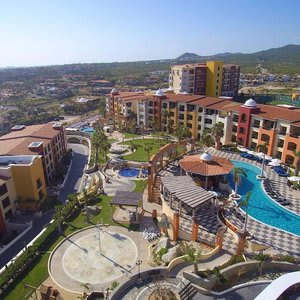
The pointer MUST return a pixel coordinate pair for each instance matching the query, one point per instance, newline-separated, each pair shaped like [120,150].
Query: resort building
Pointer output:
[247,124]
[47,140]
[22,185]
[212,78]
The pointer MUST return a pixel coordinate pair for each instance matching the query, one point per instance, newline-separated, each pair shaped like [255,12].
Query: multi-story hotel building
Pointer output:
[47,140]
[21,180]
[247,124]
[212,78]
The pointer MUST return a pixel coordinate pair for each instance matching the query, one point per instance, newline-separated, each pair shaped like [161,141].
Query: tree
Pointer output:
[96,142]
[264,149]
[132,126]
[148,148]
[102,108]
[105,147]
[182,132]
[133,147]
[237,173]
[261,257]
[192,255]
[297,156]
[156,125]
[218,132]
[221,278]
[205,140]
[245,203]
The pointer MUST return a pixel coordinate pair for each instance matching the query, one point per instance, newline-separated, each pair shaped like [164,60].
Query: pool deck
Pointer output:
[279,241]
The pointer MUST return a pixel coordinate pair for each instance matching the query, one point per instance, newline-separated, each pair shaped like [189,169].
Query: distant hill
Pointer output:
[188,56]
[285,59]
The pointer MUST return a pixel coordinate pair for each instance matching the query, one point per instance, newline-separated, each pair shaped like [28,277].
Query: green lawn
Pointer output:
[140,185]
[140,154]
[128,135]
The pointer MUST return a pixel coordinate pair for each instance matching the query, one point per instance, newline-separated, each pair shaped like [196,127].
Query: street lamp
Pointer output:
[138,263]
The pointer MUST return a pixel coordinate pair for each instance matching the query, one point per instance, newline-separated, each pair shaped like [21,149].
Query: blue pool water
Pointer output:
[260,206]
[131,172]
[87,129]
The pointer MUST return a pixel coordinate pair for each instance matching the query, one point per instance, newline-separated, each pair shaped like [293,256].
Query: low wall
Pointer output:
[158,273]
[241,269]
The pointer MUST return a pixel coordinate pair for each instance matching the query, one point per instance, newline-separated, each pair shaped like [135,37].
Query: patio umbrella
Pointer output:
[294,178]
[274,164]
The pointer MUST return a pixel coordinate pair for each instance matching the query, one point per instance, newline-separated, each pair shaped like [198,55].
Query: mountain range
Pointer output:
[284,59]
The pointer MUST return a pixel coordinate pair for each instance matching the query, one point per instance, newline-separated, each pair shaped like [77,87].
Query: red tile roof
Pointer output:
[271,112]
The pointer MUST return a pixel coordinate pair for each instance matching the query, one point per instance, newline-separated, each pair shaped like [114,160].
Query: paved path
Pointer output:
[74,178]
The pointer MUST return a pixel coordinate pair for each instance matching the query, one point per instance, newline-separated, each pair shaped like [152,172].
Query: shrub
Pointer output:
[161,252]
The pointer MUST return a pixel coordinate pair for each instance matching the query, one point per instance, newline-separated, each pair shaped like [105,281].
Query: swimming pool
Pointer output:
[87,129]
[261,207]
[131,172]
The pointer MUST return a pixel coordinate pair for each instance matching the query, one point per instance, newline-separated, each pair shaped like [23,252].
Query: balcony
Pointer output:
[256,124]
[268,125]
[295,131]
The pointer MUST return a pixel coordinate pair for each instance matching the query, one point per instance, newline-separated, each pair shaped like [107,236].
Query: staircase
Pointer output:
[156,191]
[188,292]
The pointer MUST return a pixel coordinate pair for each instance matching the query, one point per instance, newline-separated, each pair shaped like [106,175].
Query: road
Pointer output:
[72,184]
[73,181]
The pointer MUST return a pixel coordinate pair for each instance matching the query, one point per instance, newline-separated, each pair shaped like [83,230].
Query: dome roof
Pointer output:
[159,93]
[205,156]
[250,103]
[114,91]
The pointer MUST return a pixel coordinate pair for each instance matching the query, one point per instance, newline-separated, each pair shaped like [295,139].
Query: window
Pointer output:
[292,146]
[265,138]
[242,130]
[199,127]
[235,118]
[208,121]
[280,143]
[199,119]
[200,109]
[243,118]
[188,125]
[254,135]
[165,105]
[181,107]
[38,183]
[3,189]
[234,128]
[253,145]
[5,202]
[256,123]
[289,159]
[190,117]
[282,130]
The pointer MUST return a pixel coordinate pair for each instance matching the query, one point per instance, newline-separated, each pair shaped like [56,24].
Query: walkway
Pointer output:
[74,179]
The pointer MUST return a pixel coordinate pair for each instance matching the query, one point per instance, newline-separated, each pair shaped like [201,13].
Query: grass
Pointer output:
[140,154]
[128,135]
[140,185]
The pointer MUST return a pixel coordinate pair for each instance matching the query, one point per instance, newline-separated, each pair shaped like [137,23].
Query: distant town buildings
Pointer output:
[247,124]
[212,78]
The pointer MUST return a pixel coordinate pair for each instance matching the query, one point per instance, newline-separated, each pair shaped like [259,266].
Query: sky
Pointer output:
[35,32]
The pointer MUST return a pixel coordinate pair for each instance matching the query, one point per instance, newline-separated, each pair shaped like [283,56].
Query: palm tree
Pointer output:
[157,126]
[264,149]
[245,203]
[221,278]
[133,147]
[182,132]
[297,156]
[96,142]
[132,126]
[205,140]
[237,173]
[218,132]
[261,257]
[192,255]
[148,148]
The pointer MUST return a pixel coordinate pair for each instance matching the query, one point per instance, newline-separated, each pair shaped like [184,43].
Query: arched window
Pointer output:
[243,118]
[289,159]
[292,146]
